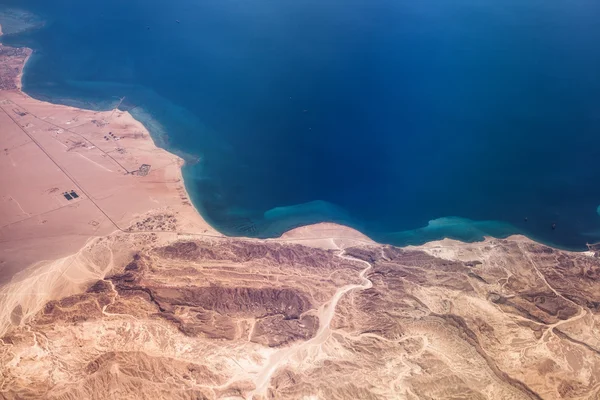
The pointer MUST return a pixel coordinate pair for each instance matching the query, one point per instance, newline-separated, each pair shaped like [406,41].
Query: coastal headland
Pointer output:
[113,286]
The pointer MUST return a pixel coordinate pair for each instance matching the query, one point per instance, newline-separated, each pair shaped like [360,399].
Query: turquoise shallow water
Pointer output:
[410,121]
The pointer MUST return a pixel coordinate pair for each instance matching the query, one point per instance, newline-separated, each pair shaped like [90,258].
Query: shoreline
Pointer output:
[282,235]
[135,146]
[401,233]
[61,260]
[348,231]
[45,237]
[113,283]
[310,231]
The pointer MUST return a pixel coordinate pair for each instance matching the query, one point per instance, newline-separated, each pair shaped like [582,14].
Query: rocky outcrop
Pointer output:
[231,318]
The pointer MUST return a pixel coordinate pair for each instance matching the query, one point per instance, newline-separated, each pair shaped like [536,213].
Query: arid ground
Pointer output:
[124,292]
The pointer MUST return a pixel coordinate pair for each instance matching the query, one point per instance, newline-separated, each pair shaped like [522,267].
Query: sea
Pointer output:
[408,120]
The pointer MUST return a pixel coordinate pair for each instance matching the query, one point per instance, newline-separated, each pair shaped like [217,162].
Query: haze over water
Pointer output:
[386,115]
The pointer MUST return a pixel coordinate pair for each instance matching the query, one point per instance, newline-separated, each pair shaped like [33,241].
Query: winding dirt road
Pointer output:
[325,314]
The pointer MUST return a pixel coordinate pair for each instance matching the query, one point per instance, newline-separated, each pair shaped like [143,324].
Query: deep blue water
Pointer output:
[409,120]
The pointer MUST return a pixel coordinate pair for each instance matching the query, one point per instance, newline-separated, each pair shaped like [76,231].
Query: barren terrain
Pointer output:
[124,292]
[194,317]
[107,158]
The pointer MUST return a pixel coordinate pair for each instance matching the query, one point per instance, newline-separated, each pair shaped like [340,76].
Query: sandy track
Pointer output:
[325,315]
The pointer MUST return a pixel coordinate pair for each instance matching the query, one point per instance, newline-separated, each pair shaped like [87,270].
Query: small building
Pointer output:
[144,169]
